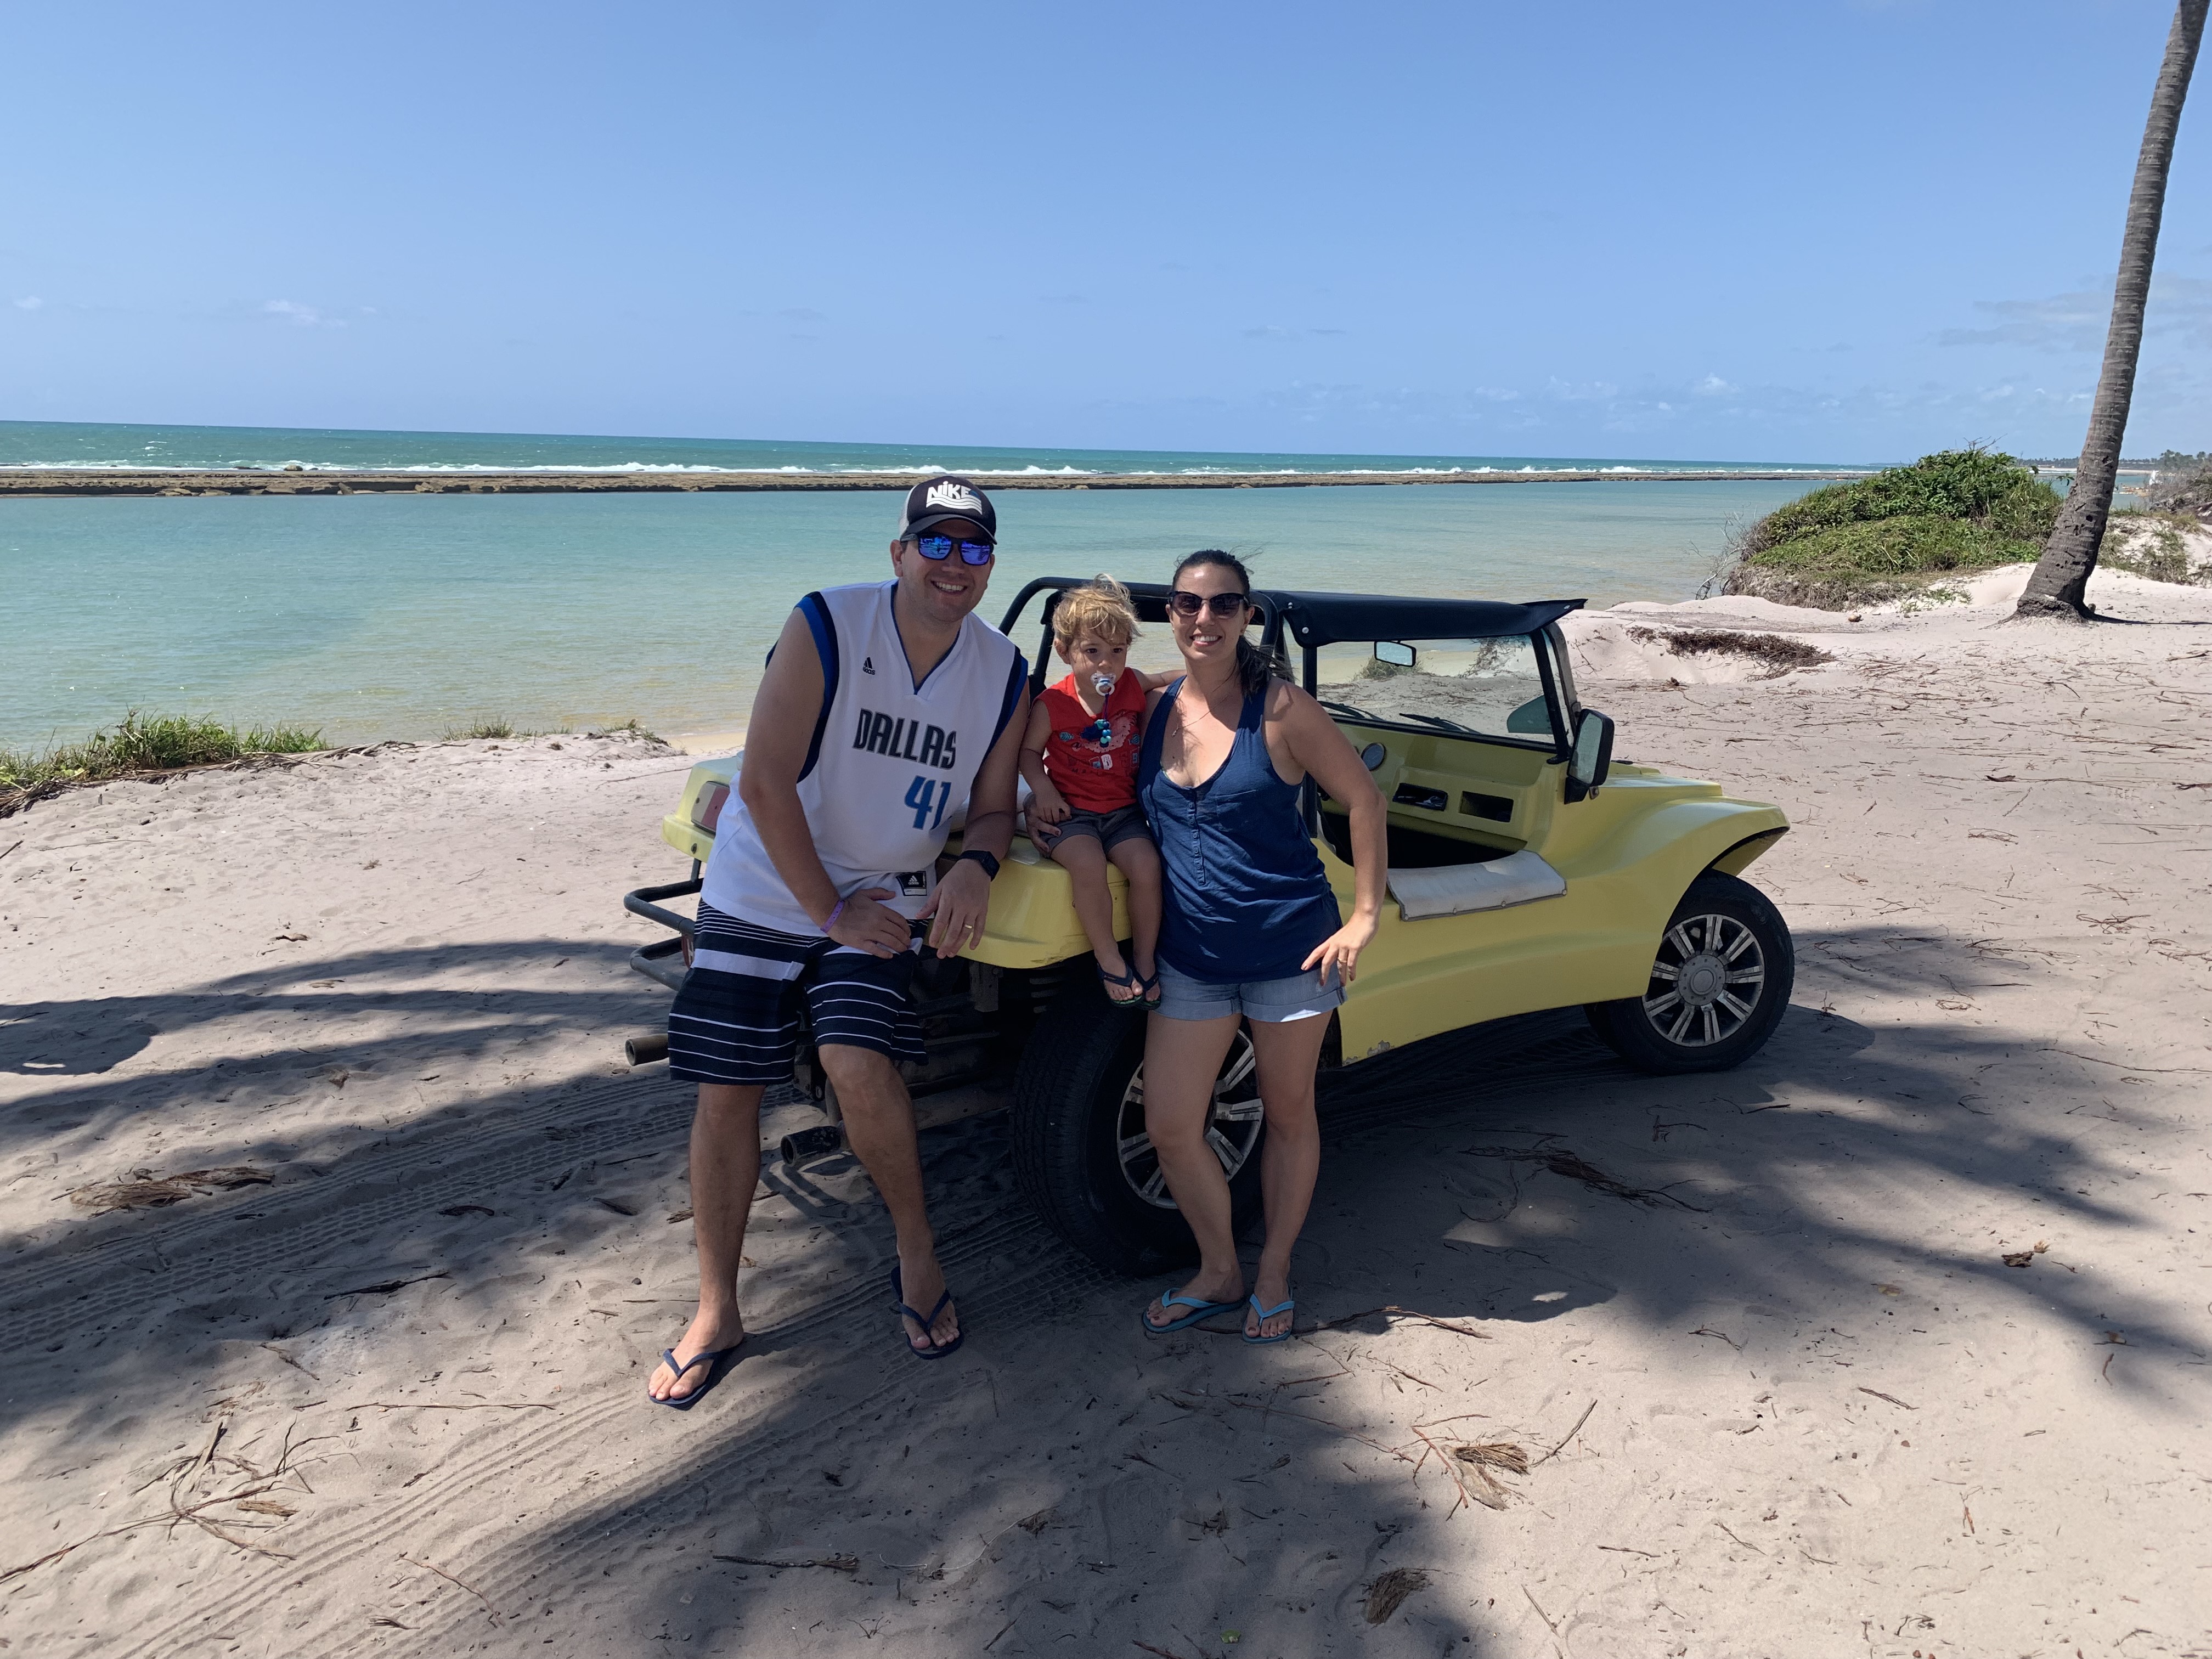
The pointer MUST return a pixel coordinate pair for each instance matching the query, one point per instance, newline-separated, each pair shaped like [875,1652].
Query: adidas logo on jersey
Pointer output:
[867,665]
[952,498]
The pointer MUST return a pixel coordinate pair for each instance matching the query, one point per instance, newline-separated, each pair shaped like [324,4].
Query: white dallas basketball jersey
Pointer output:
[888,773]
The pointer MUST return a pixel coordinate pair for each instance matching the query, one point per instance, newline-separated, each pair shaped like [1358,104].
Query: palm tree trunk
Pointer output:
[2059,586]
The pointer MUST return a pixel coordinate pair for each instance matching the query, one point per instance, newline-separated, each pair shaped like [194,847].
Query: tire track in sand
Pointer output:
[1033,1269]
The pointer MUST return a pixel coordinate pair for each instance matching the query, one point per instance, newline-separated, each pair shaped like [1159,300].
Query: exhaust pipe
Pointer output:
[817,1142]
[644,1050]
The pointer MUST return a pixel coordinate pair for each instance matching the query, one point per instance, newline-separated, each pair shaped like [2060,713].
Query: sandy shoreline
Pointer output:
[1799,1405]
[227,481]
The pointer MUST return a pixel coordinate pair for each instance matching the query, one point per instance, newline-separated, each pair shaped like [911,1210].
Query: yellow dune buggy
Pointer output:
[1530,870]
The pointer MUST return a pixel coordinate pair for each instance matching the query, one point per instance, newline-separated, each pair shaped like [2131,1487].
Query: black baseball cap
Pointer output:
[933,500]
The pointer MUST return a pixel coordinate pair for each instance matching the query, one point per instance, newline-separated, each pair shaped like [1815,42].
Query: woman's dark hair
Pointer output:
[1253,666]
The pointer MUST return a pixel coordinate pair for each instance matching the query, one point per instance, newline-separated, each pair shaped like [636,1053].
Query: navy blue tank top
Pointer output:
[1246,895]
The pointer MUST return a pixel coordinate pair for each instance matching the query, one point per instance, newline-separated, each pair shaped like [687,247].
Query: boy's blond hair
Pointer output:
[1100,607]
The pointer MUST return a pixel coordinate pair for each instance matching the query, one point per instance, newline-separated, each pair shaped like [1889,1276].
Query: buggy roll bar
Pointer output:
[1314,620]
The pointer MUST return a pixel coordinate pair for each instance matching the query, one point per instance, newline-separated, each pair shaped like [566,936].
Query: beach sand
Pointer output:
[1786,1398]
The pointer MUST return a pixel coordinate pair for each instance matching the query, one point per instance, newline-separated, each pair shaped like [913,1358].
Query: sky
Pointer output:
[1832,230]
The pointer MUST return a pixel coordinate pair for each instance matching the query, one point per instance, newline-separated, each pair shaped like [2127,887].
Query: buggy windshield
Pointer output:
[1477,688]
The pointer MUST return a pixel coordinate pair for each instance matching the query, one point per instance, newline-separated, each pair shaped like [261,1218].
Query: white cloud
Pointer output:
[2180,305]
[298,315]
[29,303]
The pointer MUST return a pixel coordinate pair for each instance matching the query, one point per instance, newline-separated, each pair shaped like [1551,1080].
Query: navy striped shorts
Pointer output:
[736,1018]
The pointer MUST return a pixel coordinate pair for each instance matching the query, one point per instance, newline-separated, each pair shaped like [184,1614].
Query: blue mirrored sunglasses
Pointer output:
[940,547]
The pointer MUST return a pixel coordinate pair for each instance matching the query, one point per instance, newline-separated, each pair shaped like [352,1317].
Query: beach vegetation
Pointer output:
[139,745]
[2182,484]
[2162,546]
[1375,668]
[1895,534]
[503,728]
[1780,654]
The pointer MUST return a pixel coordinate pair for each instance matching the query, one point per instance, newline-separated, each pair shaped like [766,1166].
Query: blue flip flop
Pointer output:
[1177,1299]
[898,1303]
[1133,982]
[1267,1314]
[717,1361]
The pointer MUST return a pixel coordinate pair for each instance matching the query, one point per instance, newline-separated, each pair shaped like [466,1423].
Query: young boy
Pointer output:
[1079,758]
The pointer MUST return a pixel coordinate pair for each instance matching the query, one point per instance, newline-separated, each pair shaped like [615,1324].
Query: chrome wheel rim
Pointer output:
[1705,983]
[1232,1130]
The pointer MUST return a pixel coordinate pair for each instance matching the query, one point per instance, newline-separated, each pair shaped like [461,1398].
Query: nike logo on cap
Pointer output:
[952,498]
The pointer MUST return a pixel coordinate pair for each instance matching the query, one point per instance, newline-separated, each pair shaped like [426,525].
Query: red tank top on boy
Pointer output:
[1091,759]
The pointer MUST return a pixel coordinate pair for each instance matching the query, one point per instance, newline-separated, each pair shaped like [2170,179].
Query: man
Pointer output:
[886,709]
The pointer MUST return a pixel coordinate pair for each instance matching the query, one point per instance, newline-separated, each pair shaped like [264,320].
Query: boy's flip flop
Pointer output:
[1177,1299]
[935,1349]
[1129,980]
[1149,984]
[717,1363]
[1267,1314]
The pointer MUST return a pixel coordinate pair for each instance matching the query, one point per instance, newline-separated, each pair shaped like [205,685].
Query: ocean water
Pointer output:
[43,443]
[409,616]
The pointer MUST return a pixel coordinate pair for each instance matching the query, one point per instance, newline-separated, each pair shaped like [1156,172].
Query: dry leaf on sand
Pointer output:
[155,1193]
[1387,1593]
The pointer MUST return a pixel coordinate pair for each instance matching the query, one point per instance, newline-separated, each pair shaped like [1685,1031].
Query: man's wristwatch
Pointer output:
[988,860]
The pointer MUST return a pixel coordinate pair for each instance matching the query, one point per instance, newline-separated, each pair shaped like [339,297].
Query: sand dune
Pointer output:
[1792,1401]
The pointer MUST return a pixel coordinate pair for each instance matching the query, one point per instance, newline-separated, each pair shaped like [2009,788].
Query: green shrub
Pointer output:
[1901,546]
[1975,485]
[1881,537]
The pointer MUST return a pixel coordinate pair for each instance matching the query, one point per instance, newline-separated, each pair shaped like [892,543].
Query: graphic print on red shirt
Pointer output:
[1091,759]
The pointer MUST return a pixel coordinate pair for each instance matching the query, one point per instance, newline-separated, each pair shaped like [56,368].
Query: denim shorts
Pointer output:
[1270,1001]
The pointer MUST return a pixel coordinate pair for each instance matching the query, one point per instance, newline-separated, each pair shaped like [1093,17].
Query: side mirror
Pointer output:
[1592,757]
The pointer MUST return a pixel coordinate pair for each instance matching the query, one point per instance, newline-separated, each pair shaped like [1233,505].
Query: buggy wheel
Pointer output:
[1081,1154]
[1720,980]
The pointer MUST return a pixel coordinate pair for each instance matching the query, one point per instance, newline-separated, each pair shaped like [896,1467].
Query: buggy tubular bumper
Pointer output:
[663,961]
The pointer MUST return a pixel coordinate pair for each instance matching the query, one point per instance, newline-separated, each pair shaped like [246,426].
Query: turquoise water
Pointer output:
[47,443]
[407,616]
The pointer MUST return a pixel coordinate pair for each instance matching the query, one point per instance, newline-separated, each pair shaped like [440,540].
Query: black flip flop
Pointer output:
[934,1351]
[1132,981]
[717,1361]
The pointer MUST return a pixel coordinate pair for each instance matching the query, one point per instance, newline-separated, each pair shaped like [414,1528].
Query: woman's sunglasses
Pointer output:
[1221,604]
[940,547]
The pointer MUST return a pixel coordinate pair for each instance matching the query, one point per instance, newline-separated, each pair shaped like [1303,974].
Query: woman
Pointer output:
[1250,931]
